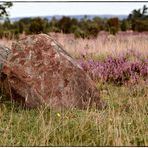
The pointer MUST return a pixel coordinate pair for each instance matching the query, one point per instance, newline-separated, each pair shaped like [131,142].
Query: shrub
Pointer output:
[113,25]
[36,26]
[117,70]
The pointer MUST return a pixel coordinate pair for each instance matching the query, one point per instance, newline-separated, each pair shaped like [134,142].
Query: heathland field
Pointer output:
[119,66]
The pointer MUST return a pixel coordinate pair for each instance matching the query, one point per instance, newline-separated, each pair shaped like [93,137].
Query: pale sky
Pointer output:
[69,8]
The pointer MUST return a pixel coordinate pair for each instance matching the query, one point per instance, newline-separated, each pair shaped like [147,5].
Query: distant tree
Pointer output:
[113,25]
[36,26]
[7,24]
[65,24]
[139,19]
[139,13]
[25,21]
[3,9]
[53,25]
[19,26]
[125,25]
[93,29]
[140,25]
[23,25]
[144,10]
[99,22]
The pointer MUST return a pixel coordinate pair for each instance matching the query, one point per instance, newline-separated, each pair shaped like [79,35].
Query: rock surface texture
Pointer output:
[4,52]
[40,71]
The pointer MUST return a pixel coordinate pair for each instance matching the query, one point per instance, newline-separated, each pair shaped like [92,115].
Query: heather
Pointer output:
[126,68]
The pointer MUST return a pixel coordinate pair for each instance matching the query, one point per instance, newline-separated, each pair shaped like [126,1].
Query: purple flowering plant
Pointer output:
[118,70]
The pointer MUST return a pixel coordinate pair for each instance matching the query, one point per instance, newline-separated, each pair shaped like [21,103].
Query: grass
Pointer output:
[123,123]
[103,45]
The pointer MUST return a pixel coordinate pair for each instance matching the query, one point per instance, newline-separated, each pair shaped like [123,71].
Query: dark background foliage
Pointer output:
[137,20]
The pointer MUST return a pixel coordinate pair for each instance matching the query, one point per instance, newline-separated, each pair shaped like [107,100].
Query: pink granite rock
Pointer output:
[41,72]
[4,86]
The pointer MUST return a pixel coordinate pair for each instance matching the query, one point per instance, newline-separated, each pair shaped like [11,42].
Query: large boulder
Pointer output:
[40,71]
[4,52]
[4,86]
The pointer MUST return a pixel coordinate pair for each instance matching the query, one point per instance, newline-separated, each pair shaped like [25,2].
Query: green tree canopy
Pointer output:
[139,13]
[3,9]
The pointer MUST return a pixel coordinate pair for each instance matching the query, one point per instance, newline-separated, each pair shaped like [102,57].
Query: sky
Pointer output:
[24,9]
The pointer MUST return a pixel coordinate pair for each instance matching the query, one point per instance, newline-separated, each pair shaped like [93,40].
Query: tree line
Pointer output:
[137,20]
